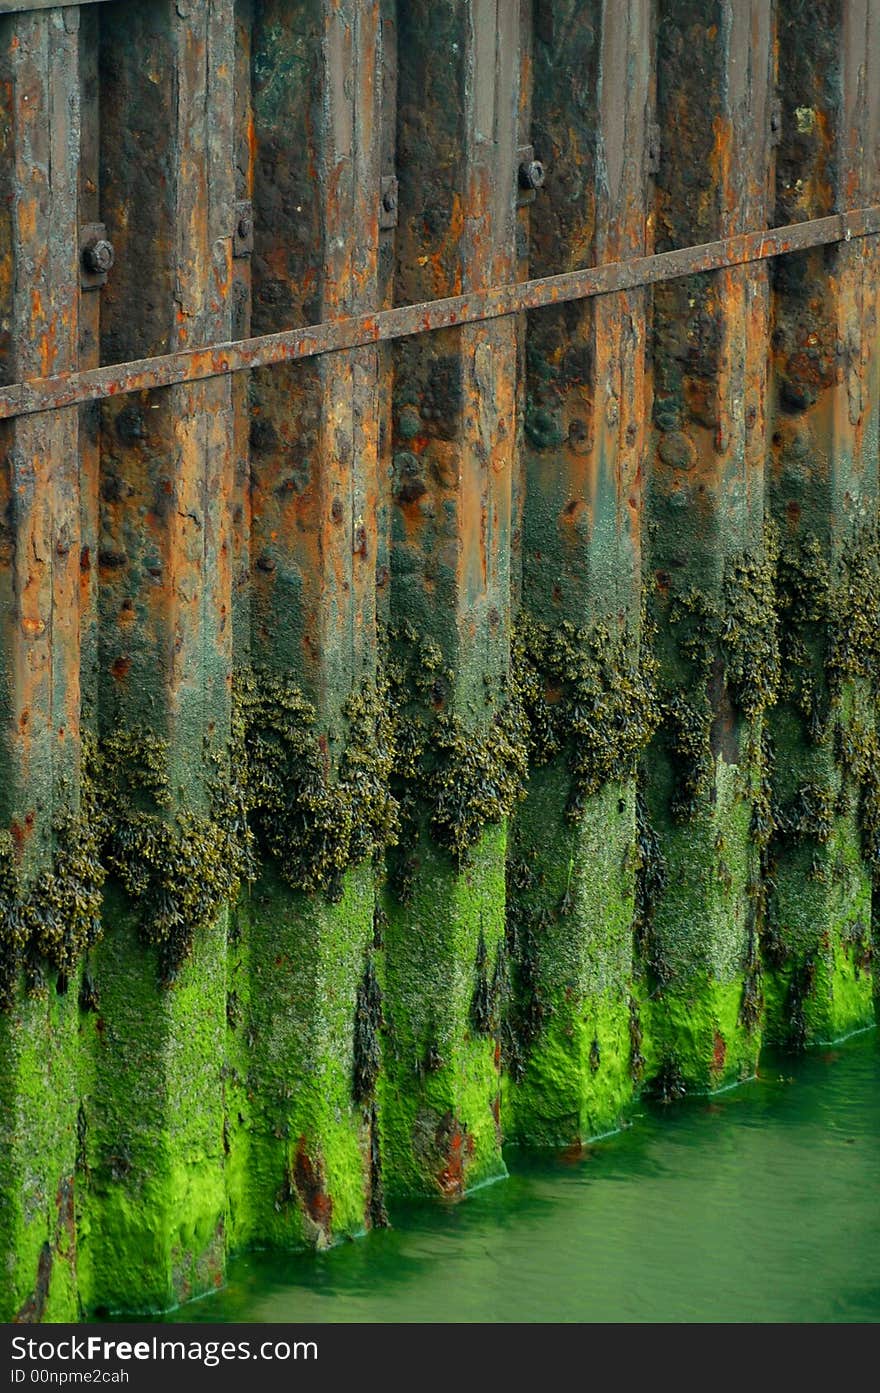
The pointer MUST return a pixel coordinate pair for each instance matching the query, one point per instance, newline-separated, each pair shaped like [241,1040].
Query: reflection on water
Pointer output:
[762,1203]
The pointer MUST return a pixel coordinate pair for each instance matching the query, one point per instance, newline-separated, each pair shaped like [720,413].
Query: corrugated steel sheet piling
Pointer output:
[571,866]
[454,440]
[307,924]
[709,569]
[152,1114]
[439,576]
[39,665]
[822,484]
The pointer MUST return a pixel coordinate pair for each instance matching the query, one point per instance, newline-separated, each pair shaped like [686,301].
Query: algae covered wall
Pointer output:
[438,743]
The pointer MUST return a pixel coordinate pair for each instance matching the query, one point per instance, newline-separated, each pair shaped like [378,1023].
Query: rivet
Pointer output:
[531,174]
[98,256]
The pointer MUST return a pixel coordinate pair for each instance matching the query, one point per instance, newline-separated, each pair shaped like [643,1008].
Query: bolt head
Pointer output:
[99,256]
[245,229]
[389,200]
[531,174]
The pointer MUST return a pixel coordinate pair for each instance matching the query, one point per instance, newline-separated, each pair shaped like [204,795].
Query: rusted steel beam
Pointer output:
[156,1170]
[312,1147]
[525,203]
[11,7]
[89,357]
[39,665]
[241,325]
[570,866]
[823,487]
[196,364]
[454,438]
[710,574]
[385,301]
[235,1085]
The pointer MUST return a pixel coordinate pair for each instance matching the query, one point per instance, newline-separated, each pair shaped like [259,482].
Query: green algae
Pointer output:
[699,907]
[569,941]
[699,966]
[150,1166]
[38,1108]
[364,1049]
[298,1150]
[438,1093]
[313,823]
[821,859]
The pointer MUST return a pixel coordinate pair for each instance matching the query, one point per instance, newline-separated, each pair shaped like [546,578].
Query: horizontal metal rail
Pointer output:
[18,7]
[198,364]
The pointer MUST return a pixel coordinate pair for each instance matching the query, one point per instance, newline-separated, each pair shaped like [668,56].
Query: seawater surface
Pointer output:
[758,1204]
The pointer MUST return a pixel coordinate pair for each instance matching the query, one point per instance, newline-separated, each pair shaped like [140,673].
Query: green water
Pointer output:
[759,1204]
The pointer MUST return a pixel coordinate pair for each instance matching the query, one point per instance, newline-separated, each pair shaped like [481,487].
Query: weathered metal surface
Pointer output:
[705,511]
[451,484]
[823,492]
[8,7]
[39,637]
[494,302]
[313,452]
[585,439]
[165,636]
[356,364]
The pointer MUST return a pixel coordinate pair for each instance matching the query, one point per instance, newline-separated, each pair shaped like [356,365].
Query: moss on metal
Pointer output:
[459,776]
[589,695]
[590,702]
[736,633]
[700,901]
[822,852]
[315,824]
[49,922]
[439,1092]
[180,869]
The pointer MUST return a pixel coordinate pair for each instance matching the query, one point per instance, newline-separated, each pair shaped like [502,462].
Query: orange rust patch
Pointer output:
[308,1178]
[21,833]
[458,1146]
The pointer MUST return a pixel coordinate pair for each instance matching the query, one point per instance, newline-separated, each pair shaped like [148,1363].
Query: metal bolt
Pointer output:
[389,200]
[245,229]
[98,256]
[531,174]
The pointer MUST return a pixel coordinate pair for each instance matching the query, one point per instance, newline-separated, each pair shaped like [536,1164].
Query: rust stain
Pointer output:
[310,1187]
[31,1313]
[456,1145]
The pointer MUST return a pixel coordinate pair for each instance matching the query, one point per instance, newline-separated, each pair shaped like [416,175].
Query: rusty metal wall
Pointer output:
[440,584]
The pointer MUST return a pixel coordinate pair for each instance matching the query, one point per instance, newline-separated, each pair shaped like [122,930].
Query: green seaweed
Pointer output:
[588,694]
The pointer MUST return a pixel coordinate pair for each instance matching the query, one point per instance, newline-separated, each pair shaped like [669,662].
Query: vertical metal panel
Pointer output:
[39,645]
[166,198]
[437,487]
[236,1101]
[570,884]
[454,437]
[314,456]
[715,72]
[822,481]
[89,211]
